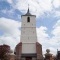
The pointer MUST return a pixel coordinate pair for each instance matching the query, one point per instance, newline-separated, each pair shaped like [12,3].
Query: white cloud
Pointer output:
[52,43]
[11,32]
[43,38]
[57,13]
[41,33]
[37,7]
[56,30]
[55,40]
[56,3]
[9,40]
[10,1]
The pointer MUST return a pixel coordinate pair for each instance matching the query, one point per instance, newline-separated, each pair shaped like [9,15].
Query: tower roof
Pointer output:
[28,13]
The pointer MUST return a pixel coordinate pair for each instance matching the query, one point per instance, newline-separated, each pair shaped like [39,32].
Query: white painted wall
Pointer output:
[32,21]
[28,48]
[28,35]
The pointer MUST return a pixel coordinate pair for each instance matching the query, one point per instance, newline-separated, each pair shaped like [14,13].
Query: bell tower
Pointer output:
[28,48]
[28,33]
[28,28]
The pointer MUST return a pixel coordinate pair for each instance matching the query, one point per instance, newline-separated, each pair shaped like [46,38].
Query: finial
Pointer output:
[47,50]
[28,7]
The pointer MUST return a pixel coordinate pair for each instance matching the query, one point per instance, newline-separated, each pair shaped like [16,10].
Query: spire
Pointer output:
[28,12]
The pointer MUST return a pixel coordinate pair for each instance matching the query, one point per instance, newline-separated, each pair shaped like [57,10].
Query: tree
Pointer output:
[4,50]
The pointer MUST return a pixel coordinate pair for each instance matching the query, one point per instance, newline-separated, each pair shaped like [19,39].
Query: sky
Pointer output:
[47,22]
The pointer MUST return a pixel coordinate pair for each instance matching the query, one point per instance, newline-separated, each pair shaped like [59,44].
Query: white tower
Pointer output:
[28,33]
[28,48]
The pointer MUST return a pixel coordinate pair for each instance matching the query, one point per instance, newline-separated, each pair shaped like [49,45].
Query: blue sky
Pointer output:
[47,22]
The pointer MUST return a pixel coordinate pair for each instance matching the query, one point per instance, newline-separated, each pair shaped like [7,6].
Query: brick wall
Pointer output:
[39,51]
[18,51]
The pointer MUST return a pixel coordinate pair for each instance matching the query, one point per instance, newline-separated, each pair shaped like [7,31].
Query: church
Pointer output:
[28,48]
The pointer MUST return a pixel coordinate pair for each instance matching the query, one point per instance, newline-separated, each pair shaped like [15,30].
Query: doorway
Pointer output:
[28,58]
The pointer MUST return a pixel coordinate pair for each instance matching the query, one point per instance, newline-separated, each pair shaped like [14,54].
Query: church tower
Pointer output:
[28,48]
[28,33]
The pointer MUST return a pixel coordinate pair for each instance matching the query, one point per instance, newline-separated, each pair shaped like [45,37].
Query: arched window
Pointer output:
[28,19]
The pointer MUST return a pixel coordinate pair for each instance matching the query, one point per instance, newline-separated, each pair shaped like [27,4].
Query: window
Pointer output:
[28,19]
